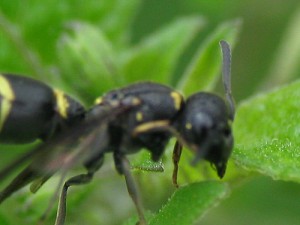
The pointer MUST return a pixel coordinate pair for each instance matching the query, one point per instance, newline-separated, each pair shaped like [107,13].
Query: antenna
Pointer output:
[226,73]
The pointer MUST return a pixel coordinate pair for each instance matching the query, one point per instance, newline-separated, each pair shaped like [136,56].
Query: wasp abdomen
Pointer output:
[29,110]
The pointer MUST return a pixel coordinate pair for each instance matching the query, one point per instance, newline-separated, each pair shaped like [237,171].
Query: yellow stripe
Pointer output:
[151,126]
[62,103]
[188,126]
[177,99]
[8,96]
[139,116]
[98,101]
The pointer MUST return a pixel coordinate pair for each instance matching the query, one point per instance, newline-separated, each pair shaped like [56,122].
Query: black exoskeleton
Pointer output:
[32,110]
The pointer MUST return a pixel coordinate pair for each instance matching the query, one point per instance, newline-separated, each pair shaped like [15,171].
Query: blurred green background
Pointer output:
[268,46]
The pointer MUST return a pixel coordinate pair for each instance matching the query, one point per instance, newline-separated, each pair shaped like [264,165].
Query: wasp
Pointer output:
[122,122]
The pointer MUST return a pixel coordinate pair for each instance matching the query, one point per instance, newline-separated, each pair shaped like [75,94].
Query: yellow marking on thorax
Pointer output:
[139,116]
[8,96]
[151,126]
[62,103]
[135,101]
[188,126]
[177,98]
[98,101]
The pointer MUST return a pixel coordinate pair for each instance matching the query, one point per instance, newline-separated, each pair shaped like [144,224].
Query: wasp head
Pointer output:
[204,126]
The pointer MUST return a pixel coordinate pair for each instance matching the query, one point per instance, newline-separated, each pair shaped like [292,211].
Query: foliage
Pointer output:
[87,49]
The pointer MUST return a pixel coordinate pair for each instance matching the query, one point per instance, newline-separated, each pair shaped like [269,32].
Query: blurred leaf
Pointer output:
[286,63]
[88,61]
[3,220]
[42,24]
[13,39]
[189,203]
[116,29]
[267,134]
[259,201]
[155,57]
[204,68]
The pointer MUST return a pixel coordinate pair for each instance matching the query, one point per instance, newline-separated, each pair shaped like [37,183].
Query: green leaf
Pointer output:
[116,29]
[88,61]
[114,17]
[287,56]
[14,51]
[143,161]
[267,130]
[204,69]
[3,220]
[156,56]
[134,219]
[190,202]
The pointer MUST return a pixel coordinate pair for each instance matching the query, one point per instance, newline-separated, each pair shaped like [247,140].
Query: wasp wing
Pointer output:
[77,145]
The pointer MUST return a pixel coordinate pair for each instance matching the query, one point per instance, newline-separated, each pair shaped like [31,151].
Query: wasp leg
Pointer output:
[92,166]
[16,163]
[25,177]
[123,167]
[52,200]
[176,158]
[39,182]
[76,180]
[163,125]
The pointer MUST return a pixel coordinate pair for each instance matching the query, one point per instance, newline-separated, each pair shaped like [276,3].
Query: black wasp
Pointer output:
[141,115]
